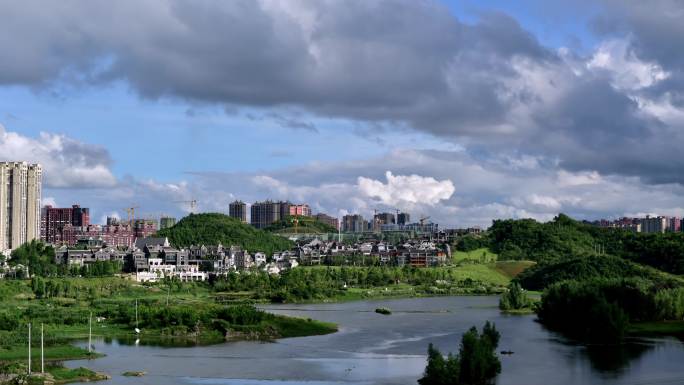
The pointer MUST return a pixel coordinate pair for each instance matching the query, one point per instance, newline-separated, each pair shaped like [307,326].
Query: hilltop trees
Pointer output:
[475,364]
[214,228]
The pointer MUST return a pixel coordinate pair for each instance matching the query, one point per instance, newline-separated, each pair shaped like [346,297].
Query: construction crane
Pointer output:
[295,220]
[192,203]
[423,219]
[131,213]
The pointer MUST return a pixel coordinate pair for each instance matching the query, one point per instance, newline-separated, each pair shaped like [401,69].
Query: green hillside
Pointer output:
[306,225]
[214,228]
[585,268]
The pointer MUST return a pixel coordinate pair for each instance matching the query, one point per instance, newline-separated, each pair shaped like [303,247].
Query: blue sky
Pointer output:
[477,109]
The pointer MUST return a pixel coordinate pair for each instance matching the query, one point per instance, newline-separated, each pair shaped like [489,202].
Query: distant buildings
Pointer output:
[113,234]
[654,224]
[354,224]
[403,219]
[302,210]
[143,228]
[263,214]
[385,218]
[649,224]
[327,219]
[61,225]
[166,222]
[20,192]
[238,209]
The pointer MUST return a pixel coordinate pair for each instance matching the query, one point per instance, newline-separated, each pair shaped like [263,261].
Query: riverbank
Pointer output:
[54,375]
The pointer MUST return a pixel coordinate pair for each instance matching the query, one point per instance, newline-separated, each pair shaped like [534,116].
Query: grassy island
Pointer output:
[170,314]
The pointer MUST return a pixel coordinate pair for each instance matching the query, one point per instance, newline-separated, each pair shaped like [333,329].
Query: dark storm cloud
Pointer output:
[383,60]
[656,28]
[401,62]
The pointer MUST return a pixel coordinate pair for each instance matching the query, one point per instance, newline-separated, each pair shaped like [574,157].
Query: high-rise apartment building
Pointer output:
[20,192]
[674,224]
[302,210]
[654,224]
[265,213]
[354,223]
[166,222]
[238,209]
[60,225]
[385,218]
[403,219]
[327,219]
[382,219]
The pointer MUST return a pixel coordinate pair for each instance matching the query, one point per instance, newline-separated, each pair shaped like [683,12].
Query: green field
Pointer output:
[482,272]
[482,255]
[672,328]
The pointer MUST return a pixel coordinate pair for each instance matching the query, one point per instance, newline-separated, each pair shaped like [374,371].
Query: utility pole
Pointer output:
[29,350]
[42,351]
[90,332]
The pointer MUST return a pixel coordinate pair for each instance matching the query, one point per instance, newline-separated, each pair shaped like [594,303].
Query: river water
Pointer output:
[371,348]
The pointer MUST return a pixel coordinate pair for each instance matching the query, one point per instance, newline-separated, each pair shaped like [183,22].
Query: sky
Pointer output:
[463,111]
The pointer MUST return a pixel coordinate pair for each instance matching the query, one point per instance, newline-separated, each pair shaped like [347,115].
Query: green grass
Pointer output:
[483,273]
[64,375]
[52,353]
[672,328]
[512,268]
[298,327]
[482,255]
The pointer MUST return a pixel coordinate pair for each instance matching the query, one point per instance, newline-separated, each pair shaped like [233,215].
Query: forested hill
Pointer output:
[565,238]
[214,228]
[303,225]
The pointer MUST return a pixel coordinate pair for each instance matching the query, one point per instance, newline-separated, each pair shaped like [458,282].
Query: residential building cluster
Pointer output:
[154,258]
[69,226]
[648,224]
[416,252]
[387,222]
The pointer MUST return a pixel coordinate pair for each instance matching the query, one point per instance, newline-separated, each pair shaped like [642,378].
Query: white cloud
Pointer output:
[628,71]
[406,189]
[66,162]
[49,201]
[566,178]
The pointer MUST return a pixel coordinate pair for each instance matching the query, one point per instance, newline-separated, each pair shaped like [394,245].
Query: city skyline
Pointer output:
[461,111]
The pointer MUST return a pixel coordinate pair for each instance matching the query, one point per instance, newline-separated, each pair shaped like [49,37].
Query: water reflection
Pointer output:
[615,358]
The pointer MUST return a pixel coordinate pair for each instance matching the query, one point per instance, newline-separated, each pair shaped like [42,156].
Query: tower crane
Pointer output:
[192,203]
[423,219]
[130,211]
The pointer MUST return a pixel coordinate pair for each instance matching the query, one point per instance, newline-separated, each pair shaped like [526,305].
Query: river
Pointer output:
[371,348]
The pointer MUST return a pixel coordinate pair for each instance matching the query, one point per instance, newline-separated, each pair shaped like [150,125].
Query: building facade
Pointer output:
[60,225]
[354,224]
[302,210]
[166,222]
[20,209]
[238,209]
[143,228]
[263,214]
[654,224]
[327,219]
[403,219]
